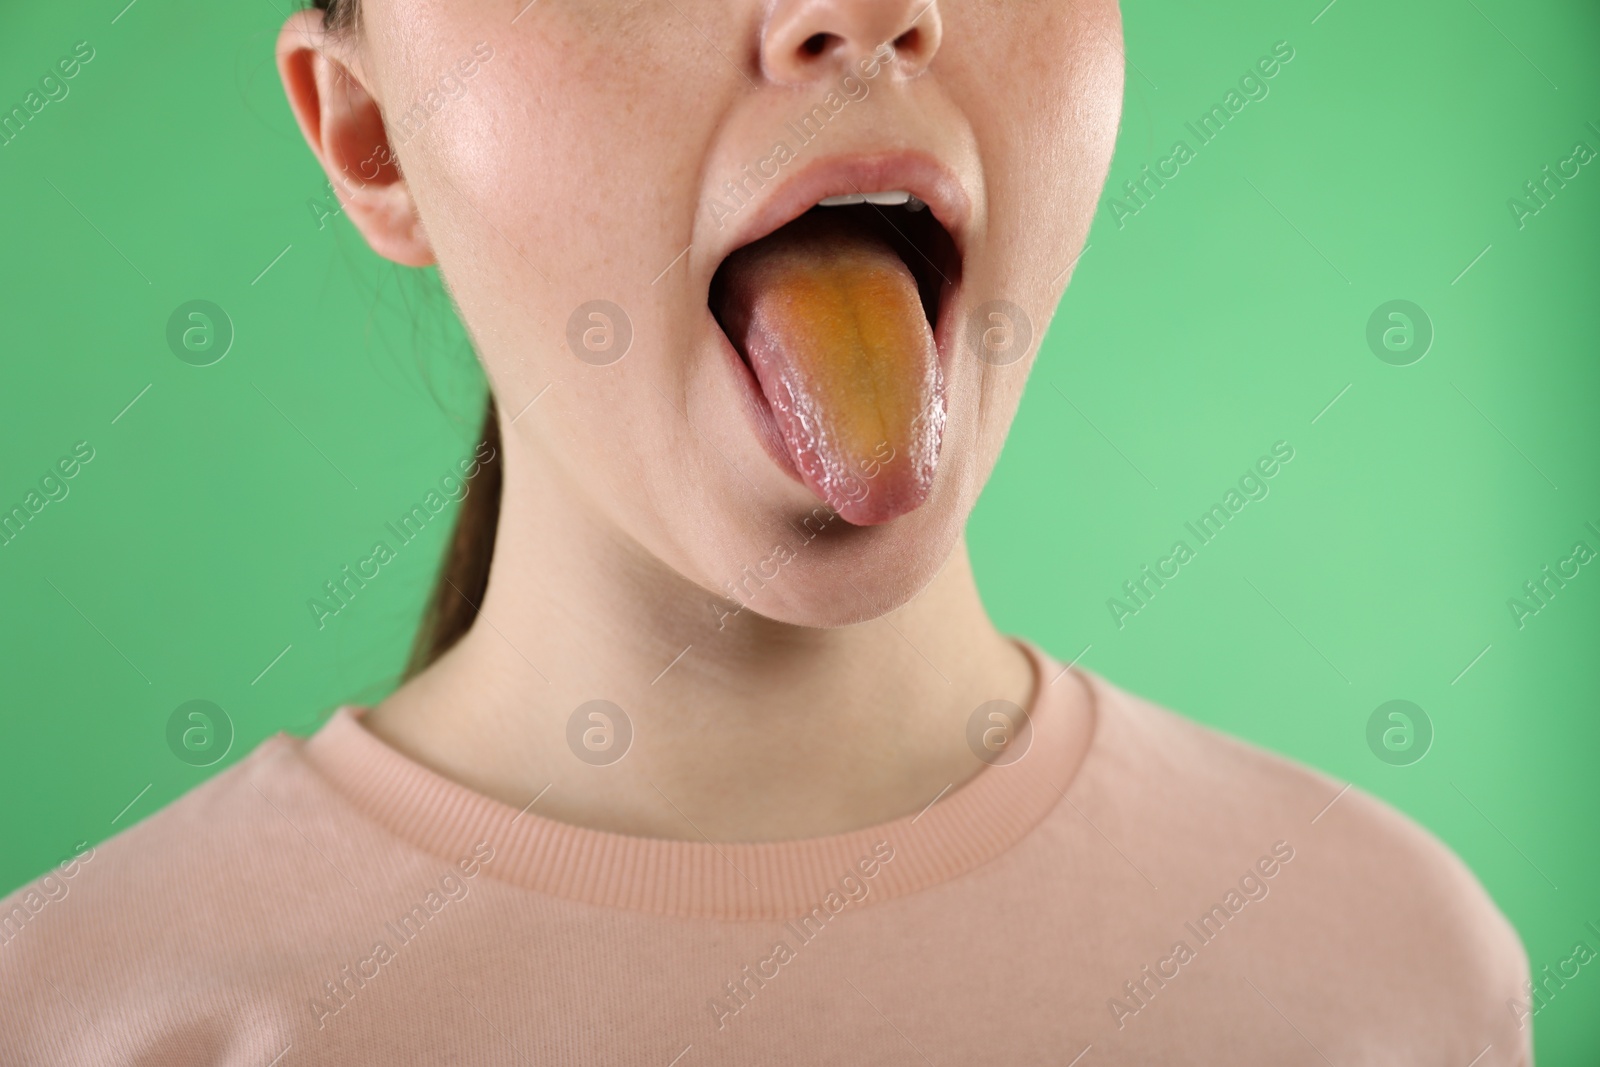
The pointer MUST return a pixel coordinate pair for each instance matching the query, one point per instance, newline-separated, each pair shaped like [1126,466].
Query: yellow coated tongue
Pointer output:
[829,318]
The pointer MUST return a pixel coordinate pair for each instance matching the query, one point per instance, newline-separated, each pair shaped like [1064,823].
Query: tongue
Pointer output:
[829,318]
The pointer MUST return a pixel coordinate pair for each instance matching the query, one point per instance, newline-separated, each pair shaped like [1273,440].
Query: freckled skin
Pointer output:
[586,160]
[580,162]
[830,320]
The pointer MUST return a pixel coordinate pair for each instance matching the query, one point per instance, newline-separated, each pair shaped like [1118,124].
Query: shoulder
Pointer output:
[174,912]
[1368,912]
[207,826]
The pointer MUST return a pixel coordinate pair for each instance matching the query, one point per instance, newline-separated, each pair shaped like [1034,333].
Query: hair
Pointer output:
[452,605]
[337,15]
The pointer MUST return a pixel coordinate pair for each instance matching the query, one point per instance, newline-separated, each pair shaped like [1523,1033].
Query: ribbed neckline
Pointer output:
[964,828]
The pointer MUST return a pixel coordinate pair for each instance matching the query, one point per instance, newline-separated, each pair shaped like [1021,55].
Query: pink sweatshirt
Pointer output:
[1174,896]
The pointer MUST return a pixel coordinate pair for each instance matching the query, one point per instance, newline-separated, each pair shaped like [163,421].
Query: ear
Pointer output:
[343,124]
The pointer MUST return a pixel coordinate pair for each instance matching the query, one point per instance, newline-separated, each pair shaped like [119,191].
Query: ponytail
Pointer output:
[464,574]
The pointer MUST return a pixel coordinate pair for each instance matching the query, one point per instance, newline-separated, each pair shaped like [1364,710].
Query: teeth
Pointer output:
[888,198]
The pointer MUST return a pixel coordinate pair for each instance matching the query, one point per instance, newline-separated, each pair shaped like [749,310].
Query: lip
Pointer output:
[918,173]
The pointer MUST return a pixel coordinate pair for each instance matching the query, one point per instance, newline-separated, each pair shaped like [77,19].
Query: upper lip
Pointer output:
[918,173]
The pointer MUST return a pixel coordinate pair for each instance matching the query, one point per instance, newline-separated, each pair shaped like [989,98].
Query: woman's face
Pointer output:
[584,169]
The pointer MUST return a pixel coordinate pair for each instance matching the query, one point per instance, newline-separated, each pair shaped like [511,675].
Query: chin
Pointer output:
[829,573]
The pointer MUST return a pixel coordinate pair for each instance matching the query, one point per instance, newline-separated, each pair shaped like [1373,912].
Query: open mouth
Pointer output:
[835,313]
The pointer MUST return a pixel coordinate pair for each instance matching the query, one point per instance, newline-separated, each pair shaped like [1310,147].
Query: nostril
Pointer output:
[817,44]
[804,40]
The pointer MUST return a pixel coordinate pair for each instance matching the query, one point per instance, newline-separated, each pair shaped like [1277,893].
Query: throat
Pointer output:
[759,732]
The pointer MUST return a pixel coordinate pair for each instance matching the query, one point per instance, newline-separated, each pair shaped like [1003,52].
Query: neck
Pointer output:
[743,729]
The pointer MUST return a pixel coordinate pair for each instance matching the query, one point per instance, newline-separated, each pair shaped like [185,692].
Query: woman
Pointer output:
[710,752]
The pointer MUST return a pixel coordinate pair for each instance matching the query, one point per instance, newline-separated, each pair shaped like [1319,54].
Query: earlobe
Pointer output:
[344,126]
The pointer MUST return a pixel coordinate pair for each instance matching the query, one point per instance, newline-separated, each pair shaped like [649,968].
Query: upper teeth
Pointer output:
[883,199]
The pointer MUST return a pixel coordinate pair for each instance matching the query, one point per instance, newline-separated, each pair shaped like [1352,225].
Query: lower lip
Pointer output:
[760,411]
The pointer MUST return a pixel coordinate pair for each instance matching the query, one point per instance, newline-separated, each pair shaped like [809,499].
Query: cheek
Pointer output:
[1043,85]
[563,174]
[1059,109]
[568,171]
[1044,94]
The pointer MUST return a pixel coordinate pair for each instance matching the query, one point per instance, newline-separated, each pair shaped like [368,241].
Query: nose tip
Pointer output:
[811,40]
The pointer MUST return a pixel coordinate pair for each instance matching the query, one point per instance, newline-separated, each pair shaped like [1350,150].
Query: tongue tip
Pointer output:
[865,517]
[882,503]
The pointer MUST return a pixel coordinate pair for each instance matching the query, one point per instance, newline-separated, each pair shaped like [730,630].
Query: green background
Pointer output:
[1224,316]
